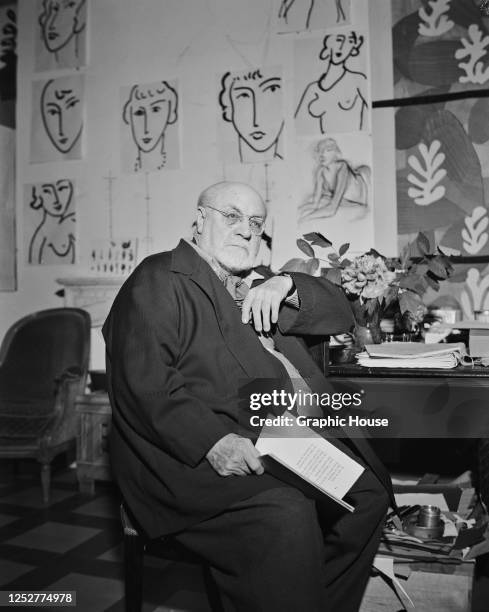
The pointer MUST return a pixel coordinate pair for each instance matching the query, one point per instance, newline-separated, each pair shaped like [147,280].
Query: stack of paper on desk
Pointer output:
[412,355]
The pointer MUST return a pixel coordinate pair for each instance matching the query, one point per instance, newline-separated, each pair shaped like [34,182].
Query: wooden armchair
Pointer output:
[43,366]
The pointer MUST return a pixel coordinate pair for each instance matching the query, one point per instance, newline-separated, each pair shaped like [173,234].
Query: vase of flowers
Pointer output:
[364,280]
[376,286]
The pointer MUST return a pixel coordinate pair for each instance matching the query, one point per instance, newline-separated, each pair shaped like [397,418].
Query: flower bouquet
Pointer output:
[378,287]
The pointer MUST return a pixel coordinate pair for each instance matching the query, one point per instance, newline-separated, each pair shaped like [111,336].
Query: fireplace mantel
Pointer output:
[94,294]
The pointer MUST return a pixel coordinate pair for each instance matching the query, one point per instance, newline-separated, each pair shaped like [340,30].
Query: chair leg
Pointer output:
[212,591]
[45,481]
[133,572]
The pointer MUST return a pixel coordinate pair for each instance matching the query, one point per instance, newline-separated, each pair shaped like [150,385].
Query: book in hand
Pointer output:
[308,459]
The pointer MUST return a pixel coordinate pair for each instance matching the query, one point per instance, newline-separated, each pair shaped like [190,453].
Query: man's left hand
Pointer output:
[263,302]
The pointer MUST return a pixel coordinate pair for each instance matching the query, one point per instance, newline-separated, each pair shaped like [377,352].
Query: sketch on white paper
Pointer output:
[57,119]
[337,182]
[50,223]
[113,257]
[61,34]
[149,127]
[300,15]
[332,93]
[334,188]
[251,103]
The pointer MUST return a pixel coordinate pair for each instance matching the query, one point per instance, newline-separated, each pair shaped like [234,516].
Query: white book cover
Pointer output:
[317,461]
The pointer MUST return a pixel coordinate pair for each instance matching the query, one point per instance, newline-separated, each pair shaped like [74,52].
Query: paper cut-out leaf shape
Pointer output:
[475,294]
[474,49]
[474,235]
[426,181]
[436,22]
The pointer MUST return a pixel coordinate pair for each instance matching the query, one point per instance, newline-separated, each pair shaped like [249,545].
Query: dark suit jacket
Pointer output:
[177,355]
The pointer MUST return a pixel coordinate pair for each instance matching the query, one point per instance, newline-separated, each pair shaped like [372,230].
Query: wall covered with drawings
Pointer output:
[128,110]
[441,75]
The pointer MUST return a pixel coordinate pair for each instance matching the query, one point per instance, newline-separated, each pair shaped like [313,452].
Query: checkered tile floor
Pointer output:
[74,543]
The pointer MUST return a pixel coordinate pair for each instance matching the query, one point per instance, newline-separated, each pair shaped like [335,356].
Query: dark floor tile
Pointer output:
[9,570]
[32,497]
[114,554]
[102,506]
[54,537]
[5,519]
[92,594]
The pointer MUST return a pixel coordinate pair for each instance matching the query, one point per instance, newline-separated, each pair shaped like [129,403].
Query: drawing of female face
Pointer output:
[338,48]
[56,197]
[327,154]
[61,111]
[257,111]
[60,22]
[149,115]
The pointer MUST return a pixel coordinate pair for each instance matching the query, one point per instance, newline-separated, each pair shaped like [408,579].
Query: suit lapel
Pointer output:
[240,339]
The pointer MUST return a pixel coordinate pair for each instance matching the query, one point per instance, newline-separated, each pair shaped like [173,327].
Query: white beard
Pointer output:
[240,261]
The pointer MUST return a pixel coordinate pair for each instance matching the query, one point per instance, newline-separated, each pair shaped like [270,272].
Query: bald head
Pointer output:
[230,190]
[226,213]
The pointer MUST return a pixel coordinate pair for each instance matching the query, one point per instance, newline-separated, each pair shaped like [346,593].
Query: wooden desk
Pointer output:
[92,458]
[430,403]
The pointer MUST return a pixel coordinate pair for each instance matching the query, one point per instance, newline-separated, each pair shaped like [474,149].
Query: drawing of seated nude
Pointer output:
[336,183]
[338,98]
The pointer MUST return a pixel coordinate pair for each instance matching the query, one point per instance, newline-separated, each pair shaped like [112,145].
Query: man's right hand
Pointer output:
[233,454]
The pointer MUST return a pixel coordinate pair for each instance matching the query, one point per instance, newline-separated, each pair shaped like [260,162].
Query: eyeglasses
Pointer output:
[256,224]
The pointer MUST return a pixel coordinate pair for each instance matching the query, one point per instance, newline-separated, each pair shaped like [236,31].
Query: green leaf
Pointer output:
[333,275]
[333,256]
[423,243]
[372,306]
[318,239]
[409,302]
[391,295]
[345,262]
[305,247]
[375,253]
[294,265]
[434,284]
[311,266]
[408,282]
[343,248]
[437,268]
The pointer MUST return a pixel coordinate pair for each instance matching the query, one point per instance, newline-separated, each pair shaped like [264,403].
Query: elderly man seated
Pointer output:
[179,350]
